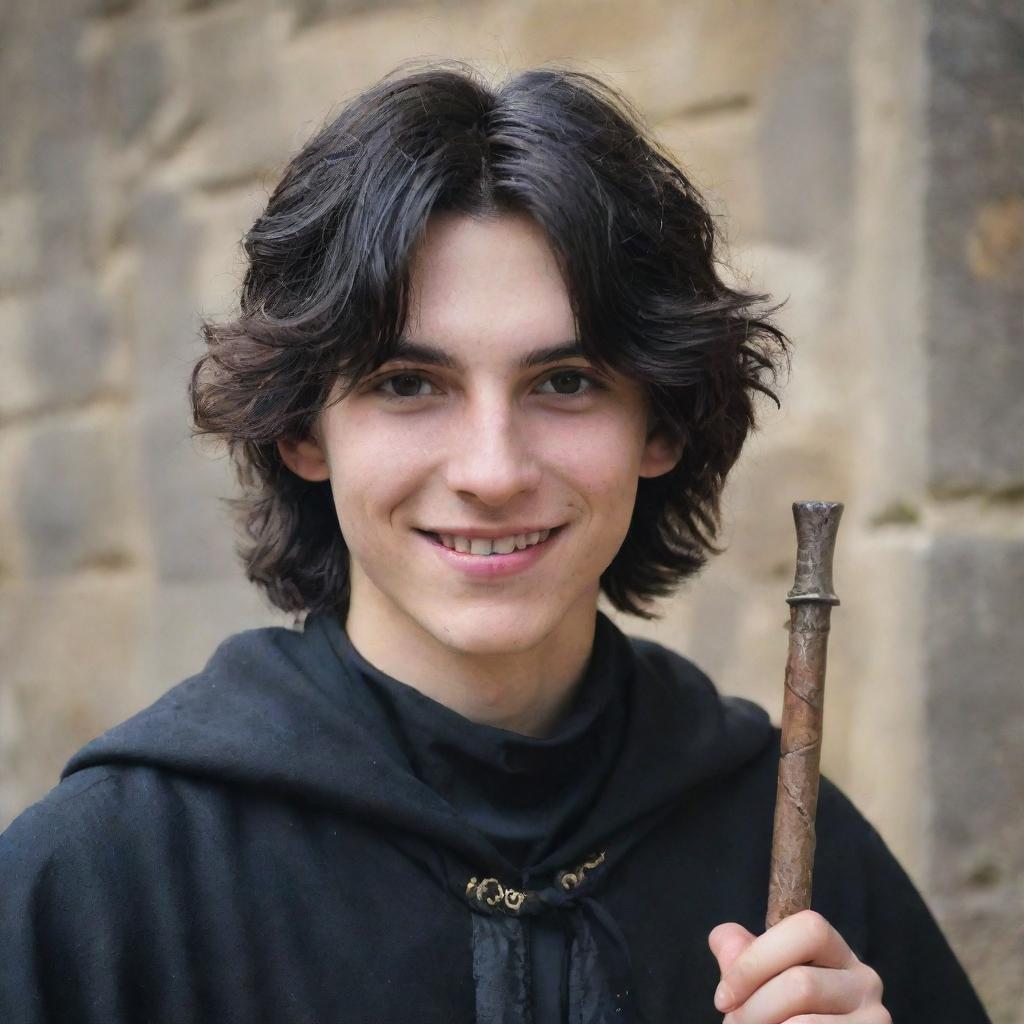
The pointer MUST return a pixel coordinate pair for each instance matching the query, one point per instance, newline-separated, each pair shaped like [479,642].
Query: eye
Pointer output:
[404,385]
[570,383]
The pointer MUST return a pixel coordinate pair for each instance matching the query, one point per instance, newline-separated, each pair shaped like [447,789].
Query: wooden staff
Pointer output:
[811,601]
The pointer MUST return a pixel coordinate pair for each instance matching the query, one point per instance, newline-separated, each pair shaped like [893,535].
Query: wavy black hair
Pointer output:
[326,294]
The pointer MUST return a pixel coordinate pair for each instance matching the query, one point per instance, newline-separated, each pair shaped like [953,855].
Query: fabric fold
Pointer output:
[600,973]
[501,970]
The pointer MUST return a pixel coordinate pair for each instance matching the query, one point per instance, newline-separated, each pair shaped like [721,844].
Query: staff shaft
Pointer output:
[811,601]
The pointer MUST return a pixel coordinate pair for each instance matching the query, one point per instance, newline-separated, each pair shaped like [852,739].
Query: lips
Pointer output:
[472,542]
[503,545]
[496,564]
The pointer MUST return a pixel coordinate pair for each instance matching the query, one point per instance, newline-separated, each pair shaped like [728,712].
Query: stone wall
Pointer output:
[866,156]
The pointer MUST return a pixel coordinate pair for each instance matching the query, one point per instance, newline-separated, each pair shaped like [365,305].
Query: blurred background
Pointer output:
[865,159]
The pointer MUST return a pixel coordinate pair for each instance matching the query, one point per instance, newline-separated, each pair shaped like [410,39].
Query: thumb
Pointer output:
[727,941]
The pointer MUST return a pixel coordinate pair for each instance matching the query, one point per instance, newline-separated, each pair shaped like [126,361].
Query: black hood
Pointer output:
[274,711]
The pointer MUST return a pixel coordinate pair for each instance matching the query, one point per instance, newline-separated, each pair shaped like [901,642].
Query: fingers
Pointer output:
[799,990]
[868,1015]
[727,941]
[804,938]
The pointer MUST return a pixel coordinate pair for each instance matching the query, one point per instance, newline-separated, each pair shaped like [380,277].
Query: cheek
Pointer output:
[603,461]
[373,471]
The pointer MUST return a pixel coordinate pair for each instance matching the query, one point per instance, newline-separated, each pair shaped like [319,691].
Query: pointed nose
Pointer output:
[491,458]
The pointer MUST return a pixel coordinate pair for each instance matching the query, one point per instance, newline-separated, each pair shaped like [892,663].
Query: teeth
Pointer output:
[496,546]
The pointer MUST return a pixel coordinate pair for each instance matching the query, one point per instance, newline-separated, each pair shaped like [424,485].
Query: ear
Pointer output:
[305,458]
[662,451]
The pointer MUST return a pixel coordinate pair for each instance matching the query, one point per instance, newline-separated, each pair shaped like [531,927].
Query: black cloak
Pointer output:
[292,836]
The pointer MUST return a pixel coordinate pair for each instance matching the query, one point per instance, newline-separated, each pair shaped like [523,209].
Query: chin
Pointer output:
[489,631]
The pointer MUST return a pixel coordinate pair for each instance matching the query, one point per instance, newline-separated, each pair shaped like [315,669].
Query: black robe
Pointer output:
[291,836]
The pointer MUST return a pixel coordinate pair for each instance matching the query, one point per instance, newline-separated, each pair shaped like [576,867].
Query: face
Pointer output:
[489,432]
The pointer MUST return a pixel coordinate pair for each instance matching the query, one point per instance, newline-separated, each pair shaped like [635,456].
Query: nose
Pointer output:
[490,456]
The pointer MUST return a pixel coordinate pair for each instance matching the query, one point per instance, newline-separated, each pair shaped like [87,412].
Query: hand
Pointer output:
[798,972]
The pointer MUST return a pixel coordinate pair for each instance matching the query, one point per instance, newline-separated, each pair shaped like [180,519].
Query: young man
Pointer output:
[484,370]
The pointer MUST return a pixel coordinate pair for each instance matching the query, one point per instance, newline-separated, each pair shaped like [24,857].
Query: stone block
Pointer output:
[670,59]
[718,152]
[63,144]
[130,84]
[220,264]
[12,558]
[19,101]
[218,62]
[986,936]
[58,349]
[658,52]
[157,300]
[974,220]
[19,388]
[877,636]
[19,242]
[83,653]
[806,132]
[73,351]
[193,6]
[75,496]
[773,472]
[192,530]
[975,720]
[109,8]
[312,82]
[976,701]
[70,672]
[309,13]
[801,281]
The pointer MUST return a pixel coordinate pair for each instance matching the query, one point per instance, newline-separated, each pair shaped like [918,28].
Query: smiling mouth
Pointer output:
[491,546]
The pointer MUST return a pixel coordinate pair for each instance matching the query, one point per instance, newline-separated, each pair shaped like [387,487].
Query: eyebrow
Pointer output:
[432,355]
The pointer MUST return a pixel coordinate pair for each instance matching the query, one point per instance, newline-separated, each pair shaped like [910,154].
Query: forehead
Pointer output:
[488,285]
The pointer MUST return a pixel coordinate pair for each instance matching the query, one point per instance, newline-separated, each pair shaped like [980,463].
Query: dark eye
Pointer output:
[569,382]
[404,385]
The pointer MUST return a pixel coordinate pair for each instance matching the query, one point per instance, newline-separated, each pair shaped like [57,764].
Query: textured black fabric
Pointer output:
[254,847]
[502,996]
[525,794]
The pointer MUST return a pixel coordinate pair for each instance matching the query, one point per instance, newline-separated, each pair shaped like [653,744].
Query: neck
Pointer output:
[526,691]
